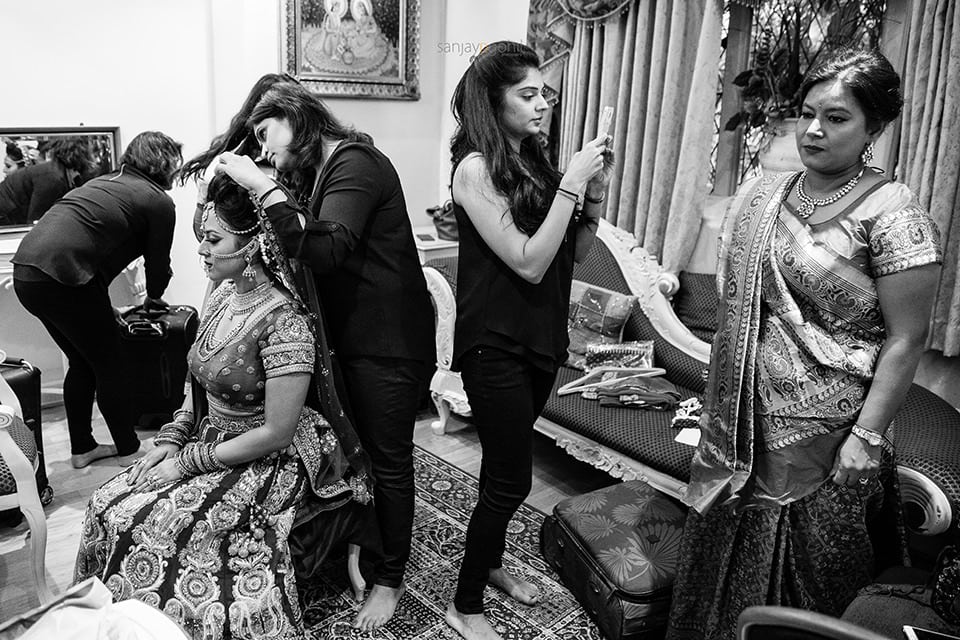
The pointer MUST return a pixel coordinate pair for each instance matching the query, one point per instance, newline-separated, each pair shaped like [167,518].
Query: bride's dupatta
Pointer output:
[324,394]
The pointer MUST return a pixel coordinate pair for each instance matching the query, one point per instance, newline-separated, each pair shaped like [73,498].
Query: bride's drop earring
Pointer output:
[867,155]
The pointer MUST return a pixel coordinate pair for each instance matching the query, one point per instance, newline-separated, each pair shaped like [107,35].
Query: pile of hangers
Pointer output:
[634,387]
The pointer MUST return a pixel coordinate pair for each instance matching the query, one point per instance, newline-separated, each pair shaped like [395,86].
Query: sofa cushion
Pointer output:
[639,434]
[696,303]
[597,315]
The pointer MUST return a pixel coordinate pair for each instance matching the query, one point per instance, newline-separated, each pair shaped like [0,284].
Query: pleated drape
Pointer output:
[929,157]
[656,63]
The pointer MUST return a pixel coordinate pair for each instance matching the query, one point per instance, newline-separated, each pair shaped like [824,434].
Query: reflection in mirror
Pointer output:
[41,164]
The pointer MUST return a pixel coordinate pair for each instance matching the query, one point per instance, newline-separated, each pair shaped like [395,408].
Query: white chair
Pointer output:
[18,481]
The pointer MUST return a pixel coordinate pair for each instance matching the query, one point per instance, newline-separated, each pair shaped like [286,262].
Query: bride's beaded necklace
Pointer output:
[808,205]
[240,305]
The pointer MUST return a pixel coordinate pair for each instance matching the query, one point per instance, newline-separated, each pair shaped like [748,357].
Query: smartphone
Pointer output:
[606,119]
[916,633]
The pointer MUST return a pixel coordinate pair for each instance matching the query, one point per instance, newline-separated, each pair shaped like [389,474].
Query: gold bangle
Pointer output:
[872,438]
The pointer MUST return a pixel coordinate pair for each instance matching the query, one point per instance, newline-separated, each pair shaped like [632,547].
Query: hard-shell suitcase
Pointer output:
[616,549]
[155,345]
[24,379]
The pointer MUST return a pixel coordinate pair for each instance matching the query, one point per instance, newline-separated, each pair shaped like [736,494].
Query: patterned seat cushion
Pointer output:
[632,531]
[24,439]
[640,434]
[696,303]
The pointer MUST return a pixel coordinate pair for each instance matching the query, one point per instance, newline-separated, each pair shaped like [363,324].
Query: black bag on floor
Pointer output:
[616,549]
[24,379]
[155,345]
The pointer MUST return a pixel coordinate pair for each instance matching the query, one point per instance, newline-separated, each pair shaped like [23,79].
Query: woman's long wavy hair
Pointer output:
[527,180]
[310,121]
[238,135]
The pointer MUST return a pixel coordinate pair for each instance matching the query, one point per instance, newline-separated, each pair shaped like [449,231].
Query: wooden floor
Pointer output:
[556,476]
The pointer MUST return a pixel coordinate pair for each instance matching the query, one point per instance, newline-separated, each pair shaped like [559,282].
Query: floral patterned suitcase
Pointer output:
[616,549]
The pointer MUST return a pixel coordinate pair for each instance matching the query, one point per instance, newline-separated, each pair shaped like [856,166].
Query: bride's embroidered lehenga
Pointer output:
[799,332]
[211,551]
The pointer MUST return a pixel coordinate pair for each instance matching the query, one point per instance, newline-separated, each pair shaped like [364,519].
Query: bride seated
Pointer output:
[199,526]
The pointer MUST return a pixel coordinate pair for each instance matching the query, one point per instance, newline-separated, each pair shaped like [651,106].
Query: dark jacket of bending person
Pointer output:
[62,271]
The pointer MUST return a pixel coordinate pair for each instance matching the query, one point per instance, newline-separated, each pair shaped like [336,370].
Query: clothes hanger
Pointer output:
[595,378]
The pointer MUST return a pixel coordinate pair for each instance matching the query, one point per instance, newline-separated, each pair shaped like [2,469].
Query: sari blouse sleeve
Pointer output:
[287,344]
[902,239]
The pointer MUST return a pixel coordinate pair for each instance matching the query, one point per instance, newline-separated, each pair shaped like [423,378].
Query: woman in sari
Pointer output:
[826,280]
[199,527]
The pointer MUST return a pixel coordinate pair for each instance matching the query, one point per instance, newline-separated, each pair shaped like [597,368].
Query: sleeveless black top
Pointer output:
[498,308]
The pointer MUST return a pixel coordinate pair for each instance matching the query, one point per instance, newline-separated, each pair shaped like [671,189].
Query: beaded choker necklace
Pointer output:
[808,205]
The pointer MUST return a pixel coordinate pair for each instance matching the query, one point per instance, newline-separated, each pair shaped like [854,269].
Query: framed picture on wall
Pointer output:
[354,48]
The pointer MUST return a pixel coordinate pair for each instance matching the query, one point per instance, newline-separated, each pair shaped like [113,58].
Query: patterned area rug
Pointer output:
[445,498]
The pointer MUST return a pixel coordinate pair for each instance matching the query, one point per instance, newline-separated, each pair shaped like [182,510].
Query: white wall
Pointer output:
[184,66]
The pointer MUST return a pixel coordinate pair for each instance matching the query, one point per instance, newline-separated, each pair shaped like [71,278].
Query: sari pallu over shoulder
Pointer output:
[723,461]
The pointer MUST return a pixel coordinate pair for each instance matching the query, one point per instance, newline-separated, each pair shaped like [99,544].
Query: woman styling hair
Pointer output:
[355,239]
[522,226]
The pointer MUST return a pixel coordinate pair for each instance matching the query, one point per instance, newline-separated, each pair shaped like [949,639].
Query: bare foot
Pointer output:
[520,590]
[81,460]
[472,626]
[378,607]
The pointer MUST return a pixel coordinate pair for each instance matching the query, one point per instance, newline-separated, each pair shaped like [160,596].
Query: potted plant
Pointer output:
[787,46]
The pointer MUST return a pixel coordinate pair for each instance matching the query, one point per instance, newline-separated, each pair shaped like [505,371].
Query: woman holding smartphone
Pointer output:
[522,225]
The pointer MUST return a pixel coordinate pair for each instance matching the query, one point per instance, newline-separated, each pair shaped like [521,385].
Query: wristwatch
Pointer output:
[869,436]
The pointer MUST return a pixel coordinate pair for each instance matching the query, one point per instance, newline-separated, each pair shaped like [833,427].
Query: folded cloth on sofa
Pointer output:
[643,393]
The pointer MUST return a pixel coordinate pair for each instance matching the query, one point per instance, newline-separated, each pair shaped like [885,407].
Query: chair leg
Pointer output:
[439,426]
[357,582]
[38,534]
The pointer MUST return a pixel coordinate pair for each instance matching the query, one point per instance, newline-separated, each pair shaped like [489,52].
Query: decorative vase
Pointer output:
[779,152]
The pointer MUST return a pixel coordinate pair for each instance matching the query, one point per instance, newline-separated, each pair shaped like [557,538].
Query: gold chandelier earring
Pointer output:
[867,155]
[248,271]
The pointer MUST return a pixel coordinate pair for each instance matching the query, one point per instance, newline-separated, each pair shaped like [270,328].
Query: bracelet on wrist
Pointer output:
[588,198]
[568,194]
[261,199]
[872,438]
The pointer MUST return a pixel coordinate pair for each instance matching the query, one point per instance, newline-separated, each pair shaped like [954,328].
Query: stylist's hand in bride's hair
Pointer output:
[243,170]
[585,164]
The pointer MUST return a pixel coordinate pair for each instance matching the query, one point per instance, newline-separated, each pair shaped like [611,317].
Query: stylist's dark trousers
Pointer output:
[80,320]
[385,395]
[506,395]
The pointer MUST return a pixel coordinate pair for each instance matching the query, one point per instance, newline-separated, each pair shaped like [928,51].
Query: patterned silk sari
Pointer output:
[799,332]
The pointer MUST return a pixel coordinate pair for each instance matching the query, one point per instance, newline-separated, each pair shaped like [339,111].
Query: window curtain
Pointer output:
[929,156]
[655,62]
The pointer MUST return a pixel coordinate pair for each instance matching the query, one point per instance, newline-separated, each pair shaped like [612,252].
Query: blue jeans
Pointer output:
[506,395]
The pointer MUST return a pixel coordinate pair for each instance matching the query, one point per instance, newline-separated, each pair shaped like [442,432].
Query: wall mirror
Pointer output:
[33,143]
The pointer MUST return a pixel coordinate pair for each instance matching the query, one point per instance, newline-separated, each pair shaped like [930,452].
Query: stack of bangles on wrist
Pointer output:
[197,458]
[177,432]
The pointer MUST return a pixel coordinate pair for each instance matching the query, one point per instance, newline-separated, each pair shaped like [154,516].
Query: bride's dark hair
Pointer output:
[233,203]
[527,179]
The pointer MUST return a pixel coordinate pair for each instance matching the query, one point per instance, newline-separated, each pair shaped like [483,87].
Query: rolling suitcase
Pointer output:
[616,549]
[24,379]
[155,345]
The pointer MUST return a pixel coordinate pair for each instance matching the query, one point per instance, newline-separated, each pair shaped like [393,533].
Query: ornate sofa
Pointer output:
[639,444]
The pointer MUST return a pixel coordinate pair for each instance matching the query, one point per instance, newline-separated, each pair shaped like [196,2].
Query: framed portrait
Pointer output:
[354,48]
[27,146]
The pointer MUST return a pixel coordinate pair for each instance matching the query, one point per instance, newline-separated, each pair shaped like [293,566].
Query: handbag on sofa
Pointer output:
[445,221]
